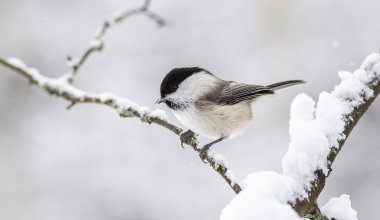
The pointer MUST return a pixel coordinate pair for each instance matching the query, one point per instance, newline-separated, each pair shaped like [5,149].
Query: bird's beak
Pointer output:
[160,100]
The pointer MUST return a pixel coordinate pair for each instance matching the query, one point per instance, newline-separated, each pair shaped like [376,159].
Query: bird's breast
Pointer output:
[215,121]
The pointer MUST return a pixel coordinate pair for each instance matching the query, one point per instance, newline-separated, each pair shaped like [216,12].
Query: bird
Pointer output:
[210,106]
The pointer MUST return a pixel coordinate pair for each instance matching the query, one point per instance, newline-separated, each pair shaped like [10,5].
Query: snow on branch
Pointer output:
[318,132]
[336,114]
[62,88]
[340,208]
[97,43]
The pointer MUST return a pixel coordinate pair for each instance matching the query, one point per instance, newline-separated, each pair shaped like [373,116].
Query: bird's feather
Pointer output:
[233,93]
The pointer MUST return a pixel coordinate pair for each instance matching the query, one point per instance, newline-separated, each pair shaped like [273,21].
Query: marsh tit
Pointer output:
[210,106]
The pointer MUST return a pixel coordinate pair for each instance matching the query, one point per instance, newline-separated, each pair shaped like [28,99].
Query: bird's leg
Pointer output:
[203,151]
[186,137]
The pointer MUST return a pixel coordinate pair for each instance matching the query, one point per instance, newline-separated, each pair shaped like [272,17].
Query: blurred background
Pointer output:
[88,163]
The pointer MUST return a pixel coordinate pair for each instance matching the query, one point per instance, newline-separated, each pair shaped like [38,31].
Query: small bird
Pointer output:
[210,106]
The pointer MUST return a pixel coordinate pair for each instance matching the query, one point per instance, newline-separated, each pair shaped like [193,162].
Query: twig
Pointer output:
[97,43]
[60,87]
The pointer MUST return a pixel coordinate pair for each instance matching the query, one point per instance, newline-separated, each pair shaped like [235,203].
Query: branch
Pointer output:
[97,43]
[369,73]
[61,87]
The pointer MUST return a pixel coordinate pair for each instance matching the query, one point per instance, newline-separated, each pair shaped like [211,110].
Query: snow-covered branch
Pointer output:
[62,88]
[336,115]
[97,43]
[318,132]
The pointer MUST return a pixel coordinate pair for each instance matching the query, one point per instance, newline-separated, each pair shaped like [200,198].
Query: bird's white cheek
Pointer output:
[180,97]
[184,95]
[193,87]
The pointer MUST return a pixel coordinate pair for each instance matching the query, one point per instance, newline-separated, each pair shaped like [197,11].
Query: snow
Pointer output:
[315,129]
[123,104]
[340,209]
[17,63]
[159,113]
[117,15]
[95,43]
[329,116]
[264,197]
[218,158]
[33,72]
[312,138]
[307,143]
[73,61]
[221,161]
[231,175]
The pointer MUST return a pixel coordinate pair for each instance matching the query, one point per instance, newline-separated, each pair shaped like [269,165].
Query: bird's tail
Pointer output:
[281,85]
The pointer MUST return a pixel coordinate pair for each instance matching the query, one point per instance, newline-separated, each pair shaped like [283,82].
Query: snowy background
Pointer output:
[87,163]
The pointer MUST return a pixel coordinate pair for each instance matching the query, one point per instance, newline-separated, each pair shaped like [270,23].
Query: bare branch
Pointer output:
[97,43]
[159,20]
[60,87]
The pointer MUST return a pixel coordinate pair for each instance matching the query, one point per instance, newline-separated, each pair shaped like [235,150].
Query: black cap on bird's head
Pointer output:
[172,80]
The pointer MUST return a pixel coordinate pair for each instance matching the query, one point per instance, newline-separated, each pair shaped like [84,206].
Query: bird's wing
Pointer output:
[233,93]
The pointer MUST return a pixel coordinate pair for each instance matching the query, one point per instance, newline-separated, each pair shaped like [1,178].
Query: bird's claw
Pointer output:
[186,137]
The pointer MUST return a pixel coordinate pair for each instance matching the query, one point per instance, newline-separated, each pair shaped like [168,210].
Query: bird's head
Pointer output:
[182,85]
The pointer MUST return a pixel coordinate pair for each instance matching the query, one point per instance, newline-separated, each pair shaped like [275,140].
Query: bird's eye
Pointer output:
[173,89]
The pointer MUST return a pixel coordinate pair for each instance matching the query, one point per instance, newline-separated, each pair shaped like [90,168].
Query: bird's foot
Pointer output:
[187,137]
[203,153]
